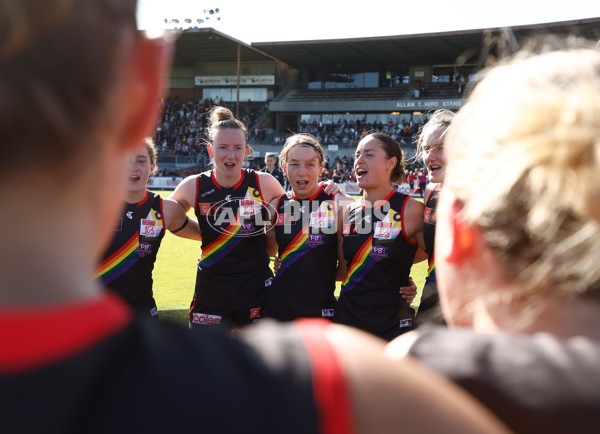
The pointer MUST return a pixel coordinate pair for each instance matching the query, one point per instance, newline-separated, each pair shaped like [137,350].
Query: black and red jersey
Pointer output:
[88,367]
[429,221]
[379,258]
[306,234]
[233,269]
[126,267]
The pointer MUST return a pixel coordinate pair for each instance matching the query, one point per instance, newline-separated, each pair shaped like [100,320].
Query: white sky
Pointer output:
[283,20]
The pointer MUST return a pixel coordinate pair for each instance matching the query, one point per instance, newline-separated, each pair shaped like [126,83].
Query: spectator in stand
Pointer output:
[272,169]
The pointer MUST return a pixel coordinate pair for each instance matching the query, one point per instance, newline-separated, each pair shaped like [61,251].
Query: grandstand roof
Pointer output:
[210,45]
[378,53]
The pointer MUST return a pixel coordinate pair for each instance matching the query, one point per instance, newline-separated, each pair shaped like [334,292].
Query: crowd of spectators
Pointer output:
[182,132]
[350,132]
[182,128]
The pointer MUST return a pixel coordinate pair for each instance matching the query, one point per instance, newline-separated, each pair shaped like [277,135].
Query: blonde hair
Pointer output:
[523,155]
[439,119]
[301,139]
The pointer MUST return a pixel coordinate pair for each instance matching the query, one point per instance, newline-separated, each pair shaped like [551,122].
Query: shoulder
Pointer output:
[413,207]
[269,186]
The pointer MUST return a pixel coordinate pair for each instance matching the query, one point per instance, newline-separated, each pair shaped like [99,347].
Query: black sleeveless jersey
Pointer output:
[233,269]
[379,258]
[429,220]
[306,234]
[90,368]
[127,265]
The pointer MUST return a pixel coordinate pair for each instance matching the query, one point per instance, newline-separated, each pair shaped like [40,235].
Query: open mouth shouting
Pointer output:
[360,171]
[434,168]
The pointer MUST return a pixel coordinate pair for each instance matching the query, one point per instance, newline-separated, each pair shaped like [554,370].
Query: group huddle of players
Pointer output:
[318,234]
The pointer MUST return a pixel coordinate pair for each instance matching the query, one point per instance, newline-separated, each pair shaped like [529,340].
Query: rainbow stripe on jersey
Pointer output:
[120,261]
[431,271]
[220,247]
[295,250]
[360,265]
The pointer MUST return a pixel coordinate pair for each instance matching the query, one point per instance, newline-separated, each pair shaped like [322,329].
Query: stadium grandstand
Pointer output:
[333,89]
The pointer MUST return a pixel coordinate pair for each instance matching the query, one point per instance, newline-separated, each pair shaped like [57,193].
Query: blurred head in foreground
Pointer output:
[519,219]
[80,88]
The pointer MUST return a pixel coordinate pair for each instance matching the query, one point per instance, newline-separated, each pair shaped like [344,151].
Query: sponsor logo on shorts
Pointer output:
[405,322]
[255,312]
[153,311]
[327,313]
[205,318]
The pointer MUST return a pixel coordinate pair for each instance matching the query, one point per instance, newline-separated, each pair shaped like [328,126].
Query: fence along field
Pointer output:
[175,275]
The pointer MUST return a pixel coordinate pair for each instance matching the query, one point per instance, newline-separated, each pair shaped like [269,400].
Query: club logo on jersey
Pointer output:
[204,208]
[429,216]
[152,225]
[281,219]
[315,240]
[327,313]
[130,215]
[205,319]
[378,252]
[144,249]
[268,282]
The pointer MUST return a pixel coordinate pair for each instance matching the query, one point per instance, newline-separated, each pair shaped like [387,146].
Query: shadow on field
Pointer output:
[175,315]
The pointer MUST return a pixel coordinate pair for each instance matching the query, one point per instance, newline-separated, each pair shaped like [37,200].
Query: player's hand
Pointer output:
[331,188]
[277,265]
[408,292]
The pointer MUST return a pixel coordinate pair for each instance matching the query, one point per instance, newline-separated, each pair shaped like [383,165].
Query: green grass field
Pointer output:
[175,275]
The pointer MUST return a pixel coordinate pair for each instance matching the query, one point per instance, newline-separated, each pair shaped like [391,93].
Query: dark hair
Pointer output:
[392,149]
[221,118]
